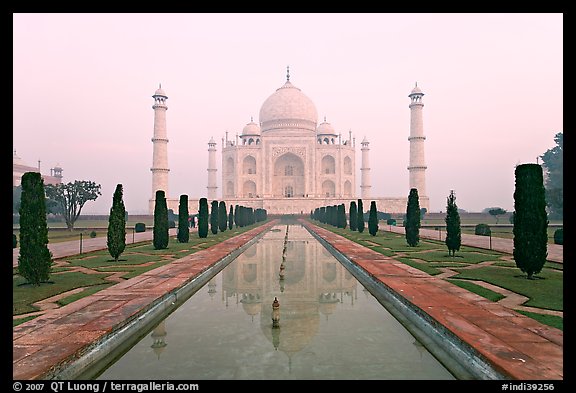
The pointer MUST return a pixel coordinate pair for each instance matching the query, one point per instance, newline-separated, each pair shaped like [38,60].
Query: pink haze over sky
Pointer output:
[493,87]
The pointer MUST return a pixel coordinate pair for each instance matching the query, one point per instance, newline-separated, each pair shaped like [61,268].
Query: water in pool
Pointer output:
[329,326]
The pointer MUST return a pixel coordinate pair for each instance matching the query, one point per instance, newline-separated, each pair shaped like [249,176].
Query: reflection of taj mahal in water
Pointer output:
[314,284]
[287,163]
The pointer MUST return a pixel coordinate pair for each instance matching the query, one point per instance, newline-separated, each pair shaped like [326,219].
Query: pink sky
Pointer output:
[492,82]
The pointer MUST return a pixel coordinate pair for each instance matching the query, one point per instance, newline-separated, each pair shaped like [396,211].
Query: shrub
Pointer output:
[391,221]
[412,222]
[140,227]
[93,234]
[482,230]
[160,236]
[559,236]
[14,241]
[203,218]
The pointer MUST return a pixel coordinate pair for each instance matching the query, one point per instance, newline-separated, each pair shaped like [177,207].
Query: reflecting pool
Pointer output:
[329,325]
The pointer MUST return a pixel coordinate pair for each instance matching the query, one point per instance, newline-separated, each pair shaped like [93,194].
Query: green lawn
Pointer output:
[543,293]
[24,295]
[430,255]
[550,320]
[129,263]
[477,289]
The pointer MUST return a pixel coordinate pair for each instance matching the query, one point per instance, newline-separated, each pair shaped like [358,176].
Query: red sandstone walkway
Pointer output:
[43,343]
[514,344]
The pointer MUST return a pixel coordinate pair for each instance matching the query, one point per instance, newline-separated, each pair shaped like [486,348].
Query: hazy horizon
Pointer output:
[83,86]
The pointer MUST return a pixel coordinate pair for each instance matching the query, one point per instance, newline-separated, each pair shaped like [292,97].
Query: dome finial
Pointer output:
[324,119]
[251,119]
[160,85]
[287,73]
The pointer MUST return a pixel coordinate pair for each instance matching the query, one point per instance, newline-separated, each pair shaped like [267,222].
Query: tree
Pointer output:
[530,220]
[231,218]
[353,216]
[360,215]
[341,220]
[183,214]
[412,222]
[453,231]
[373,219]
[497,211]
[203,218]
[117,225]
[160,234]
[71,198]
[423,212]
[214,218]
[553,164]
[35,259]
[222,216]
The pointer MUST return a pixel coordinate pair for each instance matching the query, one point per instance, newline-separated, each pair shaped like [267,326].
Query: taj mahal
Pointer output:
[287,163]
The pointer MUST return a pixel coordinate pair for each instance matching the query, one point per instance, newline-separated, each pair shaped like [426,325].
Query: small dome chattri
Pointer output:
[251,128]
[325,128]
[159,91]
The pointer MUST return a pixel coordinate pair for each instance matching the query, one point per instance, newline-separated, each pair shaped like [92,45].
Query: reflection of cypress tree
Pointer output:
[412,222]
[530,220]
[360,226]
[373,219]
[222,217]
[35,259]
[160,233]
[214,218]
[203,218]
[183,231]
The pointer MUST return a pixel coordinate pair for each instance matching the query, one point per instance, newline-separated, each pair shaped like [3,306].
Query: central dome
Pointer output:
[288,107]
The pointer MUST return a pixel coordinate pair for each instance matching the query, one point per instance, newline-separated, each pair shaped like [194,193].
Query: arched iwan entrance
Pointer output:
[288,179]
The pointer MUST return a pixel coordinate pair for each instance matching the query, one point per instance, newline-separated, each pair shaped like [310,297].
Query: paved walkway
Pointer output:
[516,345]
[72,247]
[555,251]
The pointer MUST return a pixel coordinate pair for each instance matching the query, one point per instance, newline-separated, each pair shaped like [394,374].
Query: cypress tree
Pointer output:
[453,232]
[530,220]
[343,217]
[341,220]
[117,225]
[231,218]
[214,217]
[183,214]
[373,219]
[353,216]
[236,215]
[35,259]
[222,216]
[161,237]
[412,222]
[203,218]
[360,214]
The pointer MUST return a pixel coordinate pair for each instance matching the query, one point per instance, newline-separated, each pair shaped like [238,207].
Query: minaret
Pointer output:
[212,187]
[417,166]
[160,140]
[365,170]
